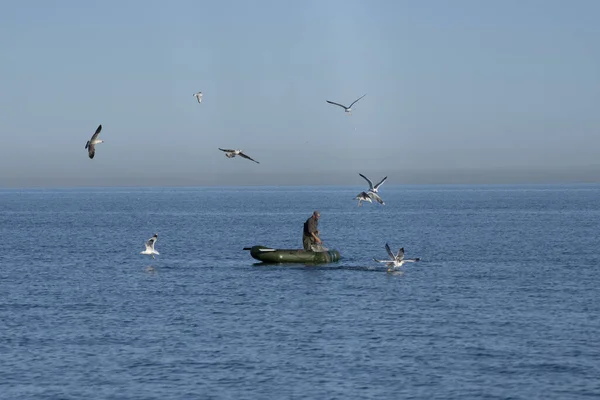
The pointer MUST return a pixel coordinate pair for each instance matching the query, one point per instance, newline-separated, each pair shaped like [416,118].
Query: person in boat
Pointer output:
[310,235]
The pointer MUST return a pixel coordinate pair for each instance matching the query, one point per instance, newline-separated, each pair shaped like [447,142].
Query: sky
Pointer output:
[465,91]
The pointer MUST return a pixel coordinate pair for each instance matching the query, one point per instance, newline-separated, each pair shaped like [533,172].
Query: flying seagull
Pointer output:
[347,109]
[363,196]
[374,190]
[150,246]
[229,153]
[91,144]
[397,260]
[198,96]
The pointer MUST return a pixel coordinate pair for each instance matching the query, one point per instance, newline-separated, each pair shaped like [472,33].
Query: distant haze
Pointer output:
[457,92]
[459,176]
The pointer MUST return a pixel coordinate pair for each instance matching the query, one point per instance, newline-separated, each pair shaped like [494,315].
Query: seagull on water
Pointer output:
[363,196]
[150,246]
[91,144]
[198,96]
[374,190]
[230,153]
[347,109]
[396,260]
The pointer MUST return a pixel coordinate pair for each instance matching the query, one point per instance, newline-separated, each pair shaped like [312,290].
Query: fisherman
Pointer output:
[310,235]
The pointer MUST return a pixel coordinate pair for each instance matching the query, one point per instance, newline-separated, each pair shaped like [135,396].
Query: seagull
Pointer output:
[150,246]
[91,144]
[396,261]
[198,96]
[229,153]
[347,109]
[374,190]
[363,196]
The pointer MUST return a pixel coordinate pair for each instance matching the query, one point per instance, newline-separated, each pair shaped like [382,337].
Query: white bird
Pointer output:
[347,109]
[230,153]
[150,246]
[396,261]
[374,190]
[198,96]
[363,196]
[91,144]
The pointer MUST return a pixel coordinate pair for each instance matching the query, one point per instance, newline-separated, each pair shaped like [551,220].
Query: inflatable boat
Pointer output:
[278,256]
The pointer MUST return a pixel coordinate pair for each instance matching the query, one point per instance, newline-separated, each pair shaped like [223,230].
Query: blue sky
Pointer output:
[451,87]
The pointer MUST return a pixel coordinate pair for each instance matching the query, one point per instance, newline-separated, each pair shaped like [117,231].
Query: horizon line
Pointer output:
[456,176]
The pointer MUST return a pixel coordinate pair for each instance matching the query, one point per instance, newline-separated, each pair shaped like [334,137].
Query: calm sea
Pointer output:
[505,303]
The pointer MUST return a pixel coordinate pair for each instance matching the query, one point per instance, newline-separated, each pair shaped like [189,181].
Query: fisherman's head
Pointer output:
[316,214]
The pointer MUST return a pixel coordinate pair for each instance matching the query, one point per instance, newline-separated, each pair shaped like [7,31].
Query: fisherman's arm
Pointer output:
[313,234]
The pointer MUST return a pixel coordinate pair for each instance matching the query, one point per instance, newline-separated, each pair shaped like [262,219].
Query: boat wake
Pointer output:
[323,267]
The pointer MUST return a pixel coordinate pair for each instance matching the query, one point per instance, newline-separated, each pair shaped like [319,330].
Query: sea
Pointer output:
[504,304]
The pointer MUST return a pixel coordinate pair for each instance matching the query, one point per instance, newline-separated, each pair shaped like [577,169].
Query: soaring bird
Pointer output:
[363,196]
[374,190]
[347,109]
[198,96]
[396,260]
[91,144]
[230,153]
[150,246]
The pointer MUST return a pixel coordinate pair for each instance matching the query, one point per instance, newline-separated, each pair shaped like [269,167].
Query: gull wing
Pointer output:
[389,251]
[412,259]
[380,182]
[95,135]
[368,180]
[245,156]
[150,242]
[357,100]
[87,144]
[400,255]
[227,150]
[376,197]
[337,104]
[91,150]
[363,196]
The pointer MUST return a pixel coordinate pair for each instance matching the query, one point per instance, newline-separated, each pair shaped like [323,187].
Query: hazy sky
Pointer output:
[456,91]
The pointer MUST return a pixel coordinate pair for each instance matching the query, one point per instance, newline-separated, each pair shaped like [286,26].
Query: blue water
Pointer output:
[504,304]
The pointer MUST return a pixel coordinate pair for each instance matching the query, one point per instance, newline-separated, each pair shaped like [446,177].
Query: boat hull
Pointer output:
[278,256]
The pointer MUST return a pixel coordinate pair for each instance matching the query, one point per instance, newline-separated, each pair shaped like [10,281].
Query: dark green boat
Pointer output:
[278,256]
